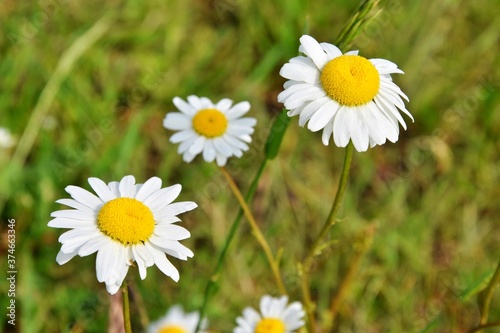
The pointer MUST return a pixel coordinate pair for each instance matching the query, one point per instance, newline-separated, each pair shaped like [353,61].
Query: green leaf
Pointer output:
[276,134]
[477,286]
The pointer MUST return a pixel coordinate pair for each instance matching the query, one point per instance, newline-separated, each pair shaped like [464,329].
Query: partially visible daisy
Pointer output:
[345,95]
[275,317]
[125,223]
[217,131]
[6,139]
[177,321]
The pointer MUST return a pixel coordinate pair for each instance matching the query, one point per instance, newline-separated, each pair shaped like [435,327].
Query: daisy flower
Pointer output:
[217,131]
[124,223]
[177,321]
[347,96]
[274,317]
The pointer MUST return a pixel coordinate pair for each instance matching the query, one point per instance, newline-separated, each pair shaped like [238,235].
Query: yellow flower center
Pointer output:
[172,329]
[126,220]
[210,123]
[350,80]
[270,325]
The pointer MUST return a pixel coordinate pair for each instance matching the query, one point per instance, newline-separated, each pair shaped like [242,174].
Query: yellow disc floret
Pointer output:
[172,329]
[210,123]
[126,220]
[350,80]
[270,325]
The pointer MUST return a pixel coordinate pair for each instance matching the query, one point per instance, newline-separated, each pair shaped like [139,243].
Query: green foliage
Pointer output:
[433,195]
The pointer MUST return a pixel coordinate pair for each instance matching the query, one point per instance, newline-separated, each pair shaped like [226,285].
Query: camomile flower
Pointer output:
[275,317]
[217,131]
[176,321]
[125,223]
[347,96]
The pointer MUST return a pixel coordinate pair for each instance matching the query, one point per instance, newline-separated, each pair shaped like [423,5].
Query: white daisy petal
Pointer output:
[172,231]
[358,131]
[63,258]
[331,50]
[313,50]
[307,94]
[327,133]
[70,223]
[323,115]
[172,246]
[141,264]
[163,197]
[74,215]
[222,147]
[195,101]
[114,187]
[221,160]
[176,121]
[299,72]
[176,209]
[163,263]
[197,146]
[104,262]
[127,188]
[185,145]
[182,136]
[84,197]
[233,141]
[340,127]
[184,107]
[93,245]
[206,103]
[77,233]
[101,189]
[209,152]
[224,105]
[75,204]
[151,186]
[238,110]
[311,108]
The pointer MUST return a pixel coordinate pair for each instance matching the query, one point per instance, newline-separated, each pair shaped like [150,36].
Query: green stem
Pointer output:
[212,282]
[256,231]
[330,221]
[485,310]
[126,308]
[483,326]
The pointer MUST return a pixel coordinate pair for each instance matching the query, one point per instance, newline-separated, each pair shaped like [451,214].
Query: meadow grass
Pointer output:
[418,226]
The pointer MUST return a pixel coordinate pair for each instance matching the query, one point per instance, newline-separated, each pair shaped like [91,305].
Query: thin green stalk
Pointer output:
[357,22]
[485,309]
[256,231]
[330,221]
[126,308]
[482,327]
[214,278]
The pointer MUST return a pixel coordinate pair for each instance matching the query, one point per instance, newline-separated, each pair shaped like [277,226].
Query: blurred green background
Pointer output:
[432,196]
